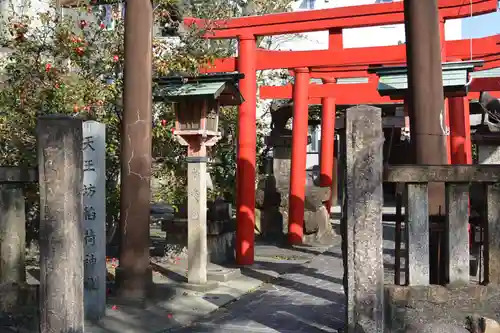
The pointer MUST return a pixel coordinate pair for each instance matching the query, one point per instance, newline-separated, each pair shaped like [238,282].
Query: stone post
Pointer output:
[457,234]
[12,234]
[363,230]
[417,235]
[94,216]
[492,233]
[197,219]
[61,227]
[197,208]
[488,154]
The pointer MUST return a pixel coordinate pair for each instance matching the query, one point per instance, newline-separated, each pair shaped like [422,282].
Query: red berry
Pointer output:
[116,58]
[163,122]
[102,26]
[48,67]
[83,24]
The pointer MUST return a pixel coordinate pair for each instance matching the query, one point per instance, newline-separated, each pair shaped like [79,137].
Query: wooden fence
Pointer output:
[362,217]
[455,230]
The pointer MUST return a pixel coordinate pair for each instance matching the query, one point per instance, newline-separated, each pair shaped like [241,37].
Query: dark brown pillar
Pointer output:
[425,94]
[426,103]
[133,274]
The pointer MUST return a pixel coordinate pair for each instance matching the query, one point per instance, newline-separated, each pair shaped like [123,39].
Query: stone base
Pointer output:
[220,239]
[202,288]
[129,298]
[410,307]
[157,293]
[223,274]
[14,297]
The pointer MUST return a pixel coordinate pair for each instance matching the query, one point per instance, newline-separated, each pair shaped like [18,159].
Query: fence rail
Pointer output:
[456,227]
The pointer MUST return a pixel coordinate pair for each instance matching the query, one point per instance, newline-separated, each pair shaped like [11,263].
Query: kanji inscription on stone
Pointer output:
[94,215]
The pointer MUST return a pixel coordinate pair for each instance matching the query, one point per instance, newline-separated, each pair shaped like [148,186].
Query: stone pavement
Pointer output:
[302,282]
[310,299]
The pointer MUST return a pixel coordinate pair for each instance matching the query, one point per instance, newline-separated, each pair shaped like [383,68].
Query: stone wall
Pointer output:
[451,306]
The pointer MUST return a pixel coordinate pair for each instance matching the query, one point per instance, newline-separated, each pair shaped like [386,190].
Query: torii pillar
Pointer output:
[246,151]
[299,155]
[327,159]
[458,111]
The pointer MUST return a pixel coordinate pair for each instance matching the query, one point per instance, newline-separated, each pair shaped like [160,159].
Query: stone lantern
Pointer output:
[196,102]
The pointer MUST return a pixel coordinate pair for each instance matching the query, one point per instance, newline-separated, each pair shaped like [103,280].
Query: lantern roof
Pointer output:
[221,87]
[393,81]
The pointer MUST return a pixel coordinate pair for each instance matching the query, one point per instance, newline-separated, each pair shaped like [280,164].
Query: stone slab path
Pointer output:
[308,299]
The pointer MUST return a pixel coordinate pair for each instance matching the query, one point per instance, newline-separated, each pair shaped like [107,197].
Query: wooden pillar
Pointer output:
[60,160]
[460,139]
[299,154]
[327,145]
[442,36]
[246,150]
[134,277]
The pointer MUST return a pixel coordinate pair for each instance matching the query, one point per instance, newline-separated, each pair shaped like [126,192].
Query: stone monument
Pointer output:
[94,218]
[60,160]
[362,221]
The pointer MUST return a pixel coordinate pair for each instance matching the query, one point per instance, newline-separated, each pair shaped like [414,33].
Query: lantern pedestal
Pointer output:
[197,205]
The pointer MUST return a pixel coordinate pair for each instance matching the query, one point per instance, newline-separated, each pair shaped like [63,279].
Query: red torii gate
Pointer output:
[459,141]
[246,29]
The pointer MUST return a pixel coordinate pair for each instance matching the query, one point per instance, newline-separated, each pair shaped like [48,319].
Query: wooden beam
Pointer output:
[486,173]
[363,93]
[485,84]
[324,19]
[360,57]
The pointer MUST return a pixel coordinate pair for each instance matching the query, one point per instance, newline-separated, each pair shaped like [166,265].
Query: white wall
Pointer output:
[358,37]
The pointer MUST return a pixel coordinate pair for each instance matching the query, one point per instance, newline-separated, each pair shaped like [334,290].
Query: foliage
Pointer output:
[72,64]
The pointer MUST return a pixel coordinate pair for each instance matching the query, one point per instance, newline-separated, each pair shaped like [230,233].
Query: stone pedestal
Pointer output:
[363,221]
[220,238]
